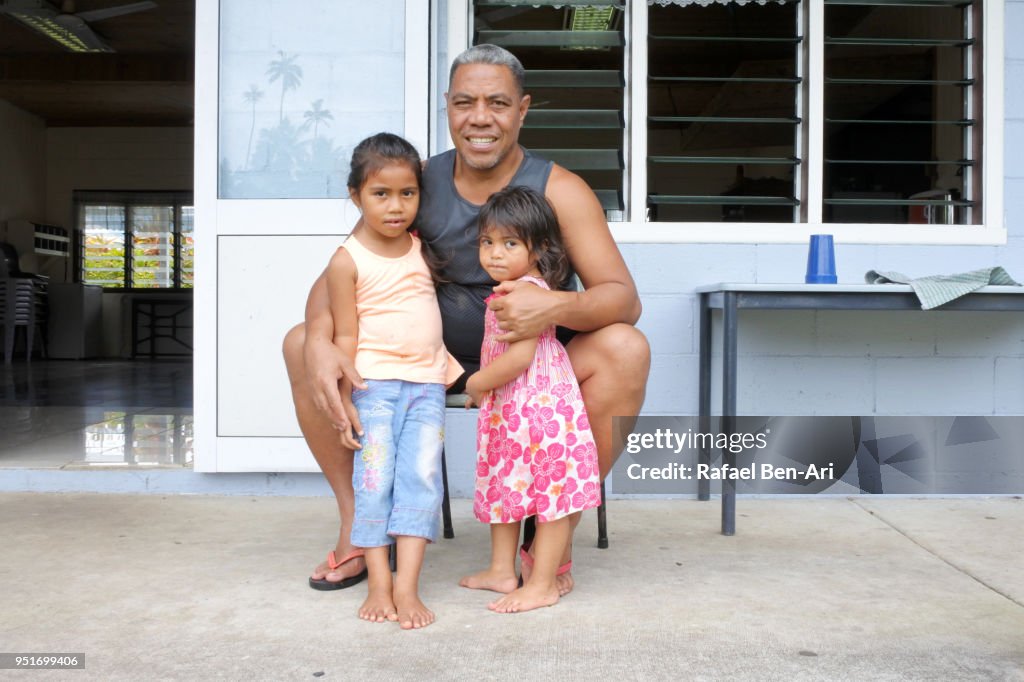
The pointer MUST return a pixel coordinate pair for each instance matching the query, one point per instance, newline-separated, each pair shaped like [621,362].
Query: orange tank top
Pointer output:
[399,321]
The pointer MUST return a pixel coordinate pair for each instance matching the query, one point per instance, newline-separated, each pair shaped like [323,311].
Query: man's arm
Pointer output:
[341,295]
[610,294]
[326,365]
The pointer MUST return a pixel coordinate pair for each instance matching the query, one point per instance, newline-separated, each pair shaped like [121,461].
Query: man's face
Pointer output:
[485,113]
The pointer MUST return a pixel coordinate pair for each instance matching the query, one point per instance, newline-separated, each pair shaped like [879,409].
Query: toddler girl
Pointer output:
[536,454]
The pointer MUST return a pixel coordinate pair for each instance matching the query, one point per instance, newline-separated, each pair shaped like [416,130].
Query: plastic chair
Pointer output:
[17,309]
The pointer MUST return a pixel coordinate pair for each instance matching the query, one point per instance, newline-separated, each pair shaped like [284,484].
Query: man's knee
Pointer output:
[627,354]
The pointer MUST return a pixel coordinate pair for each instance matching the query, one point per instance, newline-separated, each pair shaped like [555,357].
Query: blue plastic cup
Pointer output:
[821,260]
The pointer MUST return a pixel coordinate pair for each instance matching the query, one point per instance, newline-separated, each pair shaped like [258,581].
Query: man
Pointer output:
[486,109]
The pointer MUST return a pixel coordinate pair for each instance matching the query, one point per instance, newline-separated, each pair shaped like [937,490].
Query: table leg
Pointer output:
[730,329]
[704,398]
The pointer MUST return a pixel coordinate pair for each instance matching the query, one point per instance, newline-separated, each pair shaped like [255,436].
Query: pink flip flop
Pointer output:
[324,584]
[527,560]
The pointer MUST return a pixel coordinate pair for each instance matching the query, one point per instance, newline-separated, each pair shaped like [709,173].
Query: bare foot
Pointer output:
[564,581]
[379,606]
[526,598]
[491,580]
[412,614]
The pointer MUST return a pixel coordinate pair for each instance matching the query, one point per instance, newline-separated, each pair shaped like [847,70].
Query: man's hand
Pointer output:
[327,366]
[525,311]
[350,434]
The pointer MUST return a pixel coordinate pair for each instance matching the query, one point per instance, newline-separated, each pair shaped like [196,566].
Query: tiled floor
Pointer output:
[116,413]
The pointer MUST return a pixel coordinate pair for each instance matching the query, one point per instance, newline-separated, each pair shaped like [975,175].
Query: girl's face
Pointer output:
[389,200]
[504,255]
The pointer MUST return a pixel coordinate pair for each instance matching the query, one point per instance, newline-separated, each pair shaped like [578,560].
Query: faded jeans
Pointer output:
[396,475]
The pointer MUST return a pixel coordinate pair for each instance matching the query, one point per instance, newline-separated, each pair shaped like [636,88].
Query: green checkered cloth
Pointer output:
[935,290]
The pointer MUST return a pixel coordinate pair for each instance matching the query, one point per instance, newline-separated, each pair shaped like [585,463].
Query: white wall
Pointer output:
[113,159]
[22,166]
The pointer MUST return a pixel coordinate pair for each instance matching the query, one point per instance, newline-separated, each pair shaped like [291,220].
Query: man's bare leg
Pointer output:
[333,459]
[611,366]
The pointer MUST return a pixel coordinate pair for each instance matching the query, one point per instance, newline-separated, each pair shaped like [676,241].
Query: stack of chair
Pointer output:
[17,309]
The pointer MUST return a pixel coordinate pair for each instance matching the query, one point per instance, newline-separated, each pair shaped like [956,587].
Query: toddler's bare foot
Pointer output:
[411,611]
[526,598]
[379,606]
[491,580]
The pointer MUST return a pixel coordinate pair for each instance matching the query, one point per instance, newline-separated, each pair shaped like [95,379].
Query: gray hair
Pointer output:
[486,53]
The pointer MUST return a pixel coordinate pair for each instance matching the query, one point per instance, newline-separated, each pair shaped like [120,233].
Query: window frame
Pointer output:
[635,229]
[127,199]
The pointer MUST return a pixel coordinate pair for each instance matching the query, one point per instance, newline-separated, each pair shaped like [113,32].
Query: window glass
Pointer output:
[301,83]
[899,96]
[187,250]
[103,254]
[723,89]
[152,235]
[136,240]
[573,58]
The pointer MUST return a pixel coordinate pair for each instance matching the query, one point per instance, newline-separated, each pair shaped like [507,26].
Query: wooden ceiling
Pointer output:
[148,81]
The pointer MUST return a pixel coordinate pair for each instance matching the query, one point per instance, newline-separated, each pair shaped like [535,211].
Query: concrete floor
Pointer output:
[191,587]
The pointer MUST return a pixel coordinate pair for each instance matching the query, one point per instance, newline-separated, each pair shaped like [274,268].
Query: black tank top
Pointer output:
[447,223]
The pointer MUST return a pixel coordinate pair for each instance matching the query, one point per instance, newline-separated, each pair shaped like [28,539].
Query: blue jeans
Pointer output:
[396,475]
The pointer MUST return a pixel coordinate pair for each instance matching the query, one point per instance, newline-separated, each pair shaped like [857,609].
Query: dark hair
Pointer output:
[378,151]
[485,53]
[528,215]
[384,149]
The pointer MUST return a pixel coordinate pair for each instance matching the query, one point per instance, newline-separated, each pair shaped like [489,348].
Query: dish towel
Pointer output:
[935,290]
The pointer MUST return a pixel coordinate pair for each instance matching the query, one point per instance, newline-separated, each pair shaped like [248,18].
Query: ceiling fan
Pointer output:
[65,26]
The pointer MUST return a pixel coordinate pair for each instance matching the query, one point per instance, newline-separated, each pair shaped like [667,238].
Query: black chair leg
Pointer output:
[393,556]
[602,522]
[446,503]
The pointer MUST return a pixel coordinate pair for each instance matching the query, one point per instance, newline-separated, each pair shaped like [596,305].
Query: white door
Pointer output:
[284,91]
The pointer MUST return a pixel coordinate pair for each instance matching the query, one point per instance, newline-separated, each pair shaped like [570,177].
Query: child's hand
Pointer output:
[476,396]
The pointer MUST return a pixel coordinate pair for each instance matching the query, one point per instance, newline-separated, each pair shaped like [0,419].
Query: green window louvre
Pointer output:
[792,40]
[611,199]
[899,202]
[721,119]
[897,81]
[901,42]
[552,38]
[682,200]
[721,79]
[903,162]
[903,3]
[732,160]
[574,78]
[584,159]
[859,121]
[574,118]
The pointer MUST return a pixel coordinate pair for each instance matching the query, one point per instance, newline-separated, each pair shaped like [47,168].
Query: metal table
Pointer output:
[732,297]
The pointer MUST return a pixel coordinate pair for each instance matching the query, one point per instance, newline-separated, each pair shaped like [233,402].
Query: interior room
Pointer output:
[96,248]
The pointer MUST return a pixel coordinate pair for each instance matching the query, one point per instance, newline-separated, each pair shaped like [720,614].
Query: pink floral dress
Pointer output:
[535,451]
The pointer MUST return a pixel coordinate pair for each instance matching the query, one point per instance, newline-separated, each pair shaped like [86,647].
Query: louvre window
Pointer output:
[573,55]
[135,240]
[901,107]
[756,111]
